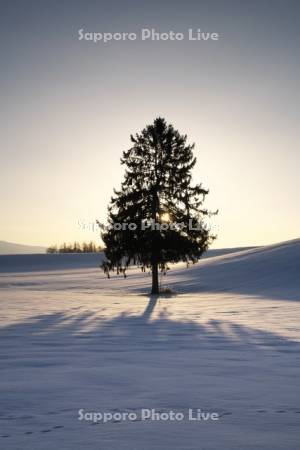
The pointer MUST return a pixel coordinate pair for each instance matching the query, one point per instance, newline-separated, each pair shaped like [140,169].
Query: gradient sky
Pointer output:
[69,106]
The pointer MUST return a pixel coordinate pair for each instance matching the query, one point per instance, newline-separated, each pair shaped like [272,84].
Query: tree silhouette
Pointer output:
[157,217]
[75,247]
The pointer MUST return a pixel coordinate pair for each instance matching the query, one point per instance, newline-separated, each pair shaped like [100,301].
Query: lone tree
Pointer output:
[157,217]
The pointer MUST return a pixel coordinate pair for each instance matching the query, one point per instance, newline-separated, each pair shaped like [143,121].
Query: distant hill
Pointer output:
[10,248]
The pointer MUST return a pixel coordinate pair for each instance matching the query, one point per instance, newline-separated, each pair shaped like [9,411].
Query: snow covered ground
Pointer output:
[228,343]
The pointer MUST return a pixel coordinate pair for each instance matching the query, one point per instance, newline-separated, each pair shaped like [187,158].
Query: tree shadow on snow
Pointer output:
[64,329]
[143,359]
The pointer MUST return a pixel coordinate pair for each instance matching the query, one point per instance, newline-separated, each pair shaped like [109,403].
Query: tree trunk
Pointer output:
[155,285]
[155,212]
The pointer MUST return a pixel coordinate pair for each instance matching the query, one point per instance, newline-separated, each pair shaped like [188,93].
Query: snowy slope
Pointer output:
[65,261]
[11,248]
[271,270]
[229,343]
[263,271]
[48,262]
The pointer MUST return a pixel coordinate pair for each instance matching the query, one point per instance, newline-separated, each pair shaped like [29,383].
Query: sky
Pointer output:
[69,106]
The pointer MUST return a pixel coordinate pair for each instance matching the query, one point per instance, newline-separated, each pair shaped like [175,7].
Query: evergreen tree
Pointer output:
[85,247]
[91,247]
[52,249]
[155,197]
[63,248]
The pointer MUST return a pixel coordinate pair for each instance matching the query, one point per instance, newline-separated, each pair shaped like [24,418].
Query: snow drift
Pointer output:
[269,271]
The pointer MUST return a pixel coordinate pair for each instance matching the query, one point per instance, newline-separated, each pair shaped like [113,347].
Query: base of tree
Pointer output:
[166,292]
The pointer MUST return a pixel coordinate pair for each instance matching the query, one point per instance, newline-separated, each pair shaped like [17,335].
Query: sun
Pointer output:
[165,217]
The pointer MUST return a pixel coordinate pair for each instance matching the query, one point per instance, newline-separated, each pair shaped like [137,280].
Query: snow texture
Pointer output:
[226,341]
